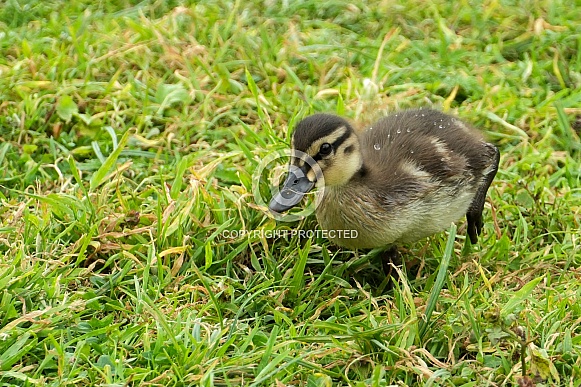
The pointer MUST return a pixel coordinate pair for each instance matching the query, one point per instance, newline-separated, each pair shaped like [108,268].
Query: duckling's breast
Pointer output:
[357,211]
[373,218]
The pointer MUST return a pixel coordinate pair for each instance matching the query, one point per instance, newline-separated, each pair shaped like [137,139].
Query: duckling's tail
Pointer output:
[474,214]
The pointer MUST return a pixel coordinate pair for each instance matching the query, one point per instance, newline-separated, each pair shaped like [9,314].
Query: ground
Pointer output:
[134,249]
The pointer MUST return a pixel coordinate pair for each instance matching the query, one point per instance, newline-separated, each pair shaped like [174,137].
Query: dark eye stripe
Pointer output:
[340,141]
[335,145]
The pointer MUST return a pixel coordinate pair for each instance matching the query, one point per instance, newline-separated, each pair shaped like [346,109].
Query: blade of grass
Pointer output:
[519,297]
[268,350]
[296,283]
[566,139]
[98,177]
[440,279]
[16,351]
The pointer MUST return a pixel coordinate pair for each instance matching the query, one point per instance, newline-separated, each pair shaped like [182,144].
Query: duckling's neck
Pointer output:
[361,172]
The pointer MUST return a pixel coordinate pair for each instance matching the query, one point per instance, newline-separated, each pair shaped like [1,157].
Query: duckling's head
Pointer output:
[322,144]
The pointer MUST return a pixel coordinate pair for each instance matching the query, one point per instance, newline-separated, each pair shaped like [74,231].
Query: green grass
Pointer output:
[129,138]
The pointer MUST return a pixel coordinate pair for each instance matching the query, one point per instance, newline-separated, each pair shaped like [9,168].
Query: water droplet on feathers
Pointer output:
[377,147]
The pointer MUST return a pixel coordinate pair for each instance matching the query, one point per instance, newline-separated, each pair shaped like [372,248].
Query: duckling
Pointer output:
[406,177]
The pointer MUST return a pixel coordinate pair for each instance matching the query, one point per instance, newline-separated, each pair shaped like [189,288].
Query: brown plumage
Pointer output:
[404,178]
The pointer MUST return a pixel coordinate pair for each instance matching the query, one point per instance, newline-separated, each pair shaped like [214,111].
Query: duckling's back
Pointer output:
[435,143]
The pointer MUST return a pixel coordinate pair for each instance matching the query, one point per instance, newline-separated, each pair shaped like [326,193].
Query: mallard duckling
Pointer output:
[406,177]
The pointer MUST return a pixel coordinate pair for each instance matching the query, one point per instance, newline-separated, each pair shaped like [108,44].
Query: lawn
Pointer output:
[135,248]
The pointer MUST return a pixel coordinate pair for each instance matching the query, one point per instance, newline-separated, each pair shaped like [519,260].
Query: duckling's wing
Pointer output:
[474,214]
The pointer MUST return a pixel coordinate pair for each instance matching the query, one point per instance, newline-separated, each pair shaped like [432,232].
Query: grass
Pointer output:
[130,132]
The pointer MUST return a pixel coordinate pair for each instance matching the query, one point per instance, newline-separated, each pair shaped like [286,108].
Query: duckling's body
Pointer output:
[406,177]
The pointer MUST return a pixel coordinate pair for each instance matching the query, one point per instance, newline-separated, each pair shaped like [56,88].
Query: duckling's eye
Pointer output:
[325,149]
